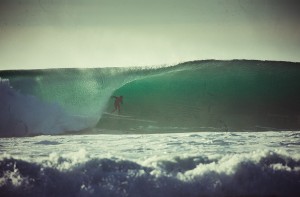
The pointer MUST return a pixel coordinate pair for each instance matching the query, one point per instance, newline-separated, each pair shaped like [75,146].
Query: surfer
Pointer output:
[118,100]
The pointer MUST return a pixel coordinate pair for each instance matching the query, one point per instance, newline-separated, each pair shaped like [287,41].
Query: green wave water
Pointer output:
[192,96]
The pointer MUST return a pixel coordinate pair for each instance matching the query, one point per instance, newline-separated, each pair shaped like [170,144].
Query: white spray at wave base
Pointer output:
[26,115]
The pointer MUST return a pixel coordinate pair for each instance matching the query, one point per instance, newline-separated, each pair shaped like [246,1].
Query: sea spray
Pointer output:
[23,115]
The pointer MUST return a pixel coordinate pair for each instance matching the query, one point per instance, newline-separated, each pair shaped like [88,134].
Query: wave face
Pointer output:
[233,95]
[193,96]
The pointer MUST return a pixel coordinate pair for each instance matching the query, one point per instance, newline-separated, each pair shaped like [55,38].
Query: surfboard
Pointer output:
[123,117]
[116,115]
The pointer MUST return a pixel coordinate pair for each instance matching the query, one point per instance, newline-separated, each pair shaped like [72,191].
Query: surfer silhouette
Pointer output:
[118,100]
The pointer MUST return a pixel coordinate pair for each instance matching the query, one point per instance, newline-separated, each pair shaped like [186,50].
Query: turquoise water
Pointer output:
[228,95]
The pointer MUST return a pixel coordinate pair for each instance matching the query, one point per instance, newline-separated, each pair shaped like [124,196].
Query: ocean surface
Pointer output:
[200,128]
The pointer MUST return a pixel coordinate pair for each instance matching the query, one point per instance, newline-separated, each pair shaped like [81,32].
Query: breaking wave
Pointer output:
[236,95]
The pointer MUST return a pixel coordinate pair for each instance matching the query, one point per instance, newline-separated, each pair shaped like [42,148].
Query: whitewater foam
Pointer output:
[149,165]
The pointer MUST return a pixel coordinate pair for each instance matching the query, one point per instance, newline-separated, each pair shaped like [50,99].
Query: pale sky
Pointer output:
[100,33]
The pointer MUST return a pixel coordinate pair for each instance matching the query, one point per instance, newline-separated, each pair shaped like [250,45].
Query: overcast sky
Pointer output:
[101,33]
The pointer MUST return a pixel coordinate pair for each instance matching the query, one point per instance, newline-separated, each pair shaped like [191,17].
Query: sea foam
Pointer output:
[262,173]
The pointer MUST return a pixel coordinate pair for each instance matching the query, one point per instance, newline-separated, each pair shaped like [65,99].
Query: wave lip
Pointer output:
[255,174]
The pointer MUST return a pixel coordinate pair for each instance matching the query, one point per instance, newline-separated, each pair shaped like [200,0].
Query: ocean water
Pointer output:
[174,164]
[202,128]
